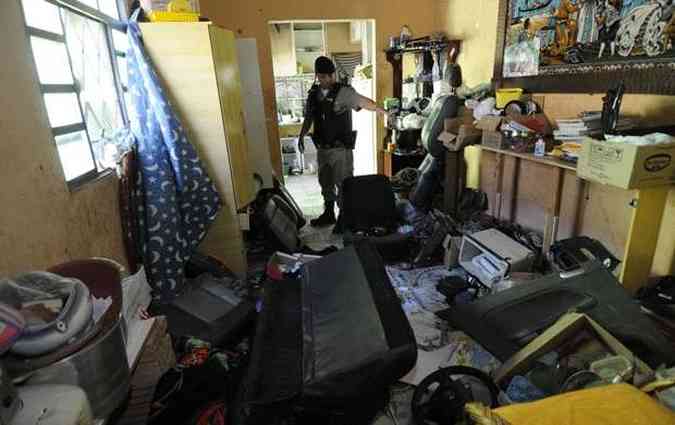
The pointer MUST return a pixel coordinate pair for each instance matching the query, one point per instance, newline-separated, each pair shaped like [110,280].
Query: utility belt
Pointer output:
[349,144]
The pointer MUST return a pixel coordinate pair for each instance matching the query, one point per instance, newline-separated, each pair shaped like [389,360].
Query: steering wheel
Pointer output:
[441,396]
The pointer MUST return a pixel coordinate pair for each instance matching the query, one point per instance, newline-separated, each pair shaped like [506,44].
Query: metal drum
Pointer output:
[97,362]
[100,369]
[9,402]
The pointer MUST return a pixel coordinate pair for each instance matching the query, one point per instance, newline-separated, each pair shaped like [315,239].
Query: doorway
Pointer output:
[295,46]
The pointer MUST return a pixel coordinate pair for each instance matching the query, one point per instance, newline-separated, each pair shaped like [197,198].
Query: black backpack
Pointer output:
[277,218]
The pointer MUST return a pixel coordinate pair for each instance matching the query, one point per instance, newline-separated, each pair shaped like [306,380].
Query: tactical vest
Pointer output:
[331,130]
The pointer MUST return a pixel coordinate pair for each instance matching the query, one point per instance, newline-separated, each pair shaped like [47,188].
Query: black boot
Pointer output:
[327,218]
[339,226]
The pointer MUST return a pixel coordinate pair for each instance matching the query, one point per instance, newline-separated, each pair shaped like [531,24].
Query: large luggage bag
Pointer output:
[328,345]
[209,310]
[368,202]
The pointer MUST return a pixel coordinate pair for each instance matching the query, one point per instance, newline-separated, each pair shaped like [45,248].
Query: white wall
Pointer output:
[254,111]
[283,59]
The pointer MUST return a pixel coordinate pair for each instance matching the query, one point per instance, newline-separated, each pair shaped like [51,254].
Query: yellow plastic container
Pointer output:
[504,96]
[162,16]
[179,6]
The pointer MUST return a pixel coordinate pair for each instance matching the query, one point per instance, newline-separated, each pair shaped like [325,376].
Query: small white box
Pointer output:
[496,250]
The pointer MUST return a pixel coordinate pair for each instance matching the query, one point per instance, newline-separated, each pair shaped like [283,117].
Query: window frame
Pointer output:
[109,24]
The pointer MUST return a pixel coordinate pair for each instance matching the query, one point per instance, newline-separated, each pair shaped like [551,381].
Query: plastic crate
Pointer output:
[504,96]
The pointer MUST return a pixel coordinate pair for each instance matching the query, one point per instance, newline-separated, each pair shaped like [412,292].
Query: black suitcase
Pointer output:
[209,310]
[392,247]
[328,345]
[368,202]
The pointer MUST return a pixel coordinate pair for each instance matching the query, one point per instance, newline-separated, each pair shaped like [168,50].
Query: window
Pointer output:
[292,97]
[80,63]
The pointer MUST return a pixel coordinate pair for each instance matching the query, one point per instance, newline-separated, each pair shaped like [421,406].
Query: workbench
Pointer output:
[549,173]
[518,180]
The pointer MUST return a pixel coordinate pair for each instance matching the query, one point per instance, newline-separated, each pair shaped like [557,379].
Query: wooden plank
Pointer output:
[254,111]
[486,178]
[513,189]
[454,162]
[156,357]
[558,201]
[472,157]
[499,177]
[548,233]
[137,335]
[580,206]
[606,216]
[531,157]
[566,327]
[643,236]
[387,163]
[226,64]
[551,200]
[538,184]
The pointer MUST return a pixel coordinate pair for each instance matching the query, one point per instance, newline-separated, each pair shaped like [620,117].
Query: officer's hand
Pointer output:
[301,145]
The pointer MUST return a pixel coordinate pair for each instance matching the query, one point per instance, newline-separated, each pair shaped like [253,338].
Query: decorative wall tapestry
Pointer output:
[578,37]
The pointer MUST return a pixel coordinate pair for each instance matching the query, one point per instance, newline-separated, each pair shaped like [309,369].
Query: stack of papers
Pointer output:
[574,129]
[588,123]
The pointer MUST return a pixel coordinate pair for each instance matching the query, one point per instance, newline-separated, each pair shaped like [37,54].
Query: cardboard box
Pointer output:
[459,132]
[489,123]
[494,139]
[536,122]
[626,165]
[567,327]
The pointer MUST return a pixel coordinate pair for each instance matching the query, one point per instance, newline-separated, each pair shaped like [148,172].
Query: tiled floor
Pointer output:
[307,193]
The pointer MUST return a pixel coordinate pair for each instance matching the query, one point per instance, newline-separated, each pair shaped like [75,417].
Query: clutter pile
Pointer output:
[64,328]
[455,317]
[421,317]
[489,312]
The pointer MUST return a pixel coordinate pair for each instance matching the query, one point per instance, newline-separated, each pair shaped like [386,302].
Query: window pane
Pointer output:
[128,102]
[51,60]
[91,3]
[109,7]
[75,154]
[120,41]
[122,66]
[42,15]
[62,109]
[92,68]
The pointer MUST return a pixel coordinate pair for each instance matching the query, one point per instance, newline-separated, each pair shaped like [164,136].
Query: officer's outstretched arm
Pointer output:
[370,105]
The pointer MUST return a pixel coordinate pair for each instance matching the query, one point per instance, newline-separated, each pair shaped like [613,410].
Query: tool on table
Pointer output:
[611,106]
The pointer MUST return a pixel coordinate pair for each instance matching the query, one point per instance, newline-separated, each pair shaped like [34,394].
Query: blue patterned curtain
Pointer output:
[178,200]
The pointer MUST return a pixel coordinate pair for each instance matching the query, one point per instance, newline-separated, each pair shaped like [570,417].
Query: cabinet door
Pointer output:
[229,88]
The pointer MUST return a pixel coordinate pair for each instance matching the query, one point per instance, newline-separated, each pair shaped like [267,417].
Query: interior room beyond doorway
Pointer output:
[295,47]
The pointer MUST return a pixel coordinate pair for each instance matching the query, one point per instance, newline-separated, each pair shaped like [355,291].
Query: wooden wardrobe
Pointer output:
[197,63]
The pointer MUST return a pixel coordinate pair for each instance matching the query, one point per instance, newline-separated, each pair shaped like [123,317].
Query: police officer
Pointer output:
[329,106]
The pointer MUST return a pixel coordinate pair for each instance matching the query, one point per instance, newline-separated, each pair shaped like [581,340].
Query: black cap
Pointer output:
[324,65]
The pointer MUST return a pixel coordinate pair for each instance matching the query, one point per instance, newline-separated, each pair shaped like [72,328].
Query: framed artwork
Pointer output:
[586,45]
